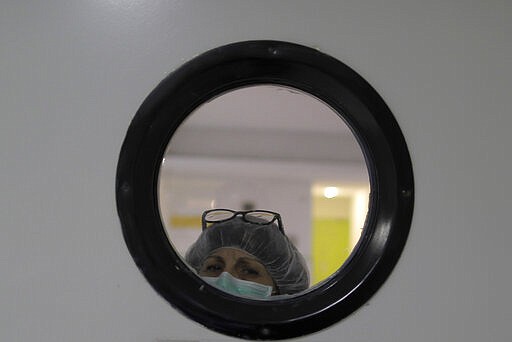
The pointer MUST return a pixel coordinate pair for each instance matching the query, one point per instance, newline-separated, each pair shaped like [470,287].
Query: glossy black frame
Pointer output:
[358,104]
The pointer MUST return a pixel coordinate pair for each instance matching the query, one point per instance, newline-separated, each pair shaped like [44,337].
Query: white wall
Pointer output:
[73,73]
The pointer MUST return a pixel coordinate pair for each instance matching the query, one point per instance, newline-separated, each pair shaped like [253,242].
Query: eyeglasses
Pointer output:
[260,217]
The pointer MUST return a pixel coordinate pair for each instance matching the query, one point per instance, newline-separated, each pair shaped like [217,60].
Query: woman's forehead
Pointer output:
[232,253]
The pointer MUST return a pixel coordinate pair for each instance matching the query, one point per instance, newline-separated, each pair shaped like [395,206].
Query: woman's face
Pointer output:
[238,263]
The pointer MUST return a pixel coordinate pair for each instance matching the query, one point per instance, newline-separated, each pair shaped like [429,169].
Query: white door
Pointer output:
[74,73]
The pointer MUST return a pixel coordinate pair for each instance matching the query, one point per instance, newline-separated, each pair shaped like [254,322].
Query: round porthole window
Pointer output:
[265,190]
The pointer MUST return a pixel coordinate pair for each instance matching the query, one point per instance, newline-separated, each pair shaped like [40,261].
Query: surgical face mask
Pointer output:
[239,287]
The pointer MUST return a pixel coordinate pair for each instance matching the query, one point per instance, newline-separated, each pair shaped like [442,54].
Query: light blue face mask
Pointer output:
[239,287]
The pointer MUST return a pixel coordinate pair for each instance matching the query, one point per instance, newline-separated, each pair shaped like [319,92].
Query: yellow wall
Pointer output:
[330,244]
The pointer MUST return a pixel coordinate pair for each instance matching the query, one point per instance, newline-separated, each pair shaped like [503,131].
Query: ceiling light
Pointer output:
[331,192]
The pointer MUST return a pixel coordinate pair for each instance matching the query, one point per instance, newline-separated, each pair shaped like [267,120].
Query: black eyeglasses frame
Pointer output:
[243,213]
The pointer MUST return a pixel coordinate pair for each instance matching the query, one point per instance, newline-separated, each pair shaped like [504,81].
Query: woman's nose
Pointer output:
[232,271]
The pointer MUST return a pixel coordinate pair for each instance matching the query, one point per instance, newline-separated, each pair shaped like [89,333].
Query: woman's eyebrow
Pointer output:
[248,261]
[216,257]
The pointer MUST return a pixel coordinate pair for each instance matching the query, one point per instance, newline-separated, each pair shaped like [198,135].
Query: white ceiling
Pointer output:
[268,107]
[266,122]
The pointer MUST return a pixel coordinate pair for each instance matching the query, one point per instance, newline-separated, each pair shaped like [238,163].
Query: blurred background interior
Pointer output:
[275,148]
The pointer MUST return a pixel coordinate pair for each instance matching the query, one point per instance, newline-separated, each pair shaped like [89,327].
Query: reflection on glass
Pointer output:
[269,147]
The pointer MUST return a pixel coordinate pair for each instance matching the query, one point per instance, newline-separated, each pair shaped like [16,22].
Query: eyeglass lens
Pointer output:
[219,215]
[259,217]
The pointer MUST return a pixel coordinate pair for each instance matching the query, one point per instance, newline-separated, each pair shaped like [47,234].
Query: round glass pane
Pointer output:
[272,148]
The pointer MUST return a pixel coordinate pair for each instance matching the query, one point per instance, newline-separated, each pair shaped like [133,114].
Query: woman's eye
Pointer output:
[213,268]
[250,271]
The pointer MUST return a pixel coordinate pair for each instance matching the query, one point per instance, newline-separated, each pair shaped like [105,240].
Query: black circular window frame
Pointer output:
[358,104]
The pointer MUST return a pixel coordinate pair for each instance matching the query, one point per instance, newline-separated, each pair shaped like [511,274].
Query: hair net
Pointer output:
[265,242]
